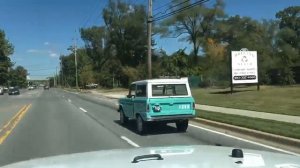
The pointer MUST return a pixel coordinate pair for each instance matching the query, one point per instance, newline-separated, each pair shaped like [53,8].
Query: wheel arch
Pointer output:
[120,107]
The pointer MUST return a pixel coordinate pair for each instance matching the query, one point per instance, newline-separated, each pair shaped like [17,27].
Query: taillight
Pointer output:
[193,105]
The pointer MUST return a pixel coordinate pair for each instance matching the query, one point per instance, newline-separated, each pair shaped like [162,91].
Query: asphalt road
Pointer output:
[42,123]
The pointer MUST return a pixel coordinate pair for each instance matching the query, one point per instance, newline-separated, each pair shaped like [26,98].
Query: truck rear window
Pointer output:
[169,90]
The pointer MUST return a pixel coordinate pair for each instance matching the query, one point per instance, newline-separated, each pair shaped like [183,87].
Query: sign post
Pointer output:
[244,67]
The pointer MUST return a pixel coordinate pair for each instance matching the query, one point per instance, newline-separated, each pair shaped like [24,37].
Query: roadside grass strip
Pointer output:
[270,126]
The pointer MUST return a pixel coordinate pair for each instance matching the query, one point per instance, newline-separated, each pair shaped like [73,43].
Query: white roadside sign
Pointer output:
[244,67]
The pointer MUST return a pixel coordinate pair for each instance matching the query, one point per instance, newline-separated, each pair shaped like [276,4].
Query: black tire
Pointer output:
[123,118]
[140,125]
[182,125]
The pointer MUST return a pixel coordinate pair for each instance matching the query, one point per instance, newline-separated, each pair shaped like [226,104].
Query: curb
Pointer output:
[291,144]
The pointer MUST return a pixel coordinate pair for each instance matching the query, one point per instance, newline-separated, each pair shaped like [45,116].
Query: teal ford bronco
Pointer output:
[158,100]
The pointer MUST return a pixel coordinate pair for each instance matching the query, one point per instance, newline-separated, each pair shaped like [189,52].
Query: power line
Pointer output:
[171,7]
[179,10]
[88,18]
[164,5]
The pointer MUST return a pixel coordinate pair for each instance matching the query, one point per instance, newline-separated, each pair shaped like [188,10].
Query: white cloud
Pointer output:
[46,43]
[42,52]
[53,55]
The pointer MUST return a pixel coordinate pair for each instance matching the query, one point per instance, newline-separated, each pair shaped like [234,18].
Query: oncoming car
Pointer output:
[158,100]
[13,91]
[46,87]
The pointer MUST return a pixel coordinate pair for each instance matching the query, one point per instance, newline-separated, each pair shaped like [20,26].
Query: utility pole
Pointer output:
[149,46]
[75,53]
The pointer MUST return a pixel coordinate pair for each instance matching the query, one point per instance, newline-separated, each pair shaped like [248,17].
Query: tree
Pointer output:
[84,68]
[126,25]
[197,24]
[86,75]
[68,69]
[6,49]
[176,64]
[288,42]
[216,66]
[18,77]
[96,45]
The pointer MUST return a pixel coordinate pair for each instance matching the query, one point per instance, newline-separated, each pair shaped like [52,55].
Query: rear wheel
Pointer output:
[140,125]
[123,118]
[182,125]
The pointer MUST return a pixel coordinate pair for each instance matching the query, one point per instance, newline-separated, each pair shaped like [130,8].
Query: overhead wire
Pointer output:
[164,5]
[179,10]
[171,7]
[93,9]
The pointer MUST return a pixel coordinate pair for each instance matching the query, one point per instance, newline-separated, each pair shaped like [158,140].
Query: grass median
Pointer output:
[270,126]
[272,99]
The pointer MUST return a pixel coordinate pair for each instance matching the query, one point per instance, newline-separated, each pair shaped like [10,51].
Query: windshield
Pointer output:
[93,75]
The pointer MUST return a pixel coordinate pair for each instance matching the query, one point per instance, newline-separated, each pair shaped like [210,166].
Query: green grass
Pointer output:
[272,99]
[274,127]
[105,90]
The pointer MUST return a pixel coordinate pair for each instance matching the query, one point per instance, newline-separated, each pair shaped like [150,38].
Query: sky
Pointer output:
[42,30]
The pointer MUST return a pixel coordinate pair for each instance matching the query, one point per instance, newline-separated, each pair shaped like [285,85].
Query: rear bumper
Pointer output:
[170,117]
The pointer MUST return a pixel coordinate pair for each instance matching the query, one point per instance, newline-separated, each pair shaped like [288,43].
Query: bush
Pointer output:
[128,75]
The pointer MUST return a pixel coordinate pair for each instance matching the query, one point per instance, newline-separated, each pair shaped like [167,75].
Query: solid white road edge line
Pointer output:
[245,140]
[82,109]
[130,141]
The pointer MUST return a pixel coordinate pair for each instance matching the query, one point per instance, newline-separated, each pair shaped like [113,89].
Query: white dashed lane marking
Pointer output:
[82,109]
[130,141]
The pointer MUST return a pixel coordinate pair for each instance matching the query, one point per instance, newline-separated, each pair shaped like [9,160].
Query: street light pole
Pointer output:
[149,22]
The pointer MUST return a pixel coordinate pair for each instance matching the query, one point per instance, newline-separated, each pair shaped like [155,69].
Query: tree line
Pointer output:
[115,53]
[10,75]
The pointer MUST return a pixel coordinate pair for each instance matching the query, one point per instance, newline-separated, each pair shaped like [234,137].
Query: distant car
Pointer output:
[30,88]
[13,91]
[46,87]
[91,86]
[158,100]
[1,91]
[5,89]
